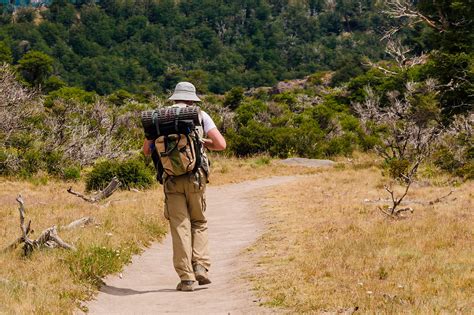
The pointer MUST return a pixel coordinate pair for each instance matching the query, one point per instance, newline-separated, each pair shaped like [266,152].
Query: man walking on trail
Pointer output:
[185,202]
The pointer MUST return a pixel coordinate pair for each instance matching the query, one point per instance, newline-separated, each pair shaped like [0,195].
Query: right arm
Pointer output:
[216,141]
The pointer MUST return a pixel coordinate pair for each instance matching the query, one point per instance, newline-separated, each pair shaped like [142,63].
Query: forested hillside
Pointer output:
[149,45]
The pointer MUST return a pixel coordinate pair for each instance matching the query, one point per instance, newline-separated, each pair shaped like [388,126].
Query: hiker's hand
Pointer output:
[207,142]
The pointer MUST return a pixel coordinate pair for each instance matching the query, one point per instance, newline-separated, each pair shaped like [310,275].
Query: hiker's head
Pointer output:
[185,92]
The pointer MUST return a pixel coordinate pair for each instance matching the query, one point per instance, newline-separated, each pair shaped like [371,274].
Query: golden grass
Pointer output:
[328,250]
[55,281]
[228,170]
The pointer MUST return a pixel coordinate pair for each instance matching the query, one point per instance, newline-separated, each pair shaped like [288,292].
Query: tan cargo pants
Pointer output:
[185,205]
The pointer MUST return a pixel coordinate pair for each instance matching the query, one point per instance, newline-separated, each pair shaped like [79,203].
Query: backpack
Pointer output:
[178,141]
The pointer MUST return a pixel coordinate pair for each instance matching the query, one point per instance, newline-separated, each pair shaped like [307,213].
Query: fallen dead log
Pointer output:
[104,194]
[48,238]
[78,223]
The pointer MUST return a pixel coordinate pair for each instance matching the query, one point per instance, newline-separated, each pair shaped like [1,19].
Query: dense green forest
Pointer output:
[147,46]
[76,77]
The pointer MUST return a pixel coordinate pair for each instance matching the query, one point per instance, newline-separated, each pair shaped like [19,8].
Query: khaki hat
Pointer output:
[184,91]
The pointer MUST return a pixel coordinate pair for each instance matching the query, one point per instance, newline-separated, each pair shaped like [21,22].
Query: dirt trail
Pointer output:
[148,284]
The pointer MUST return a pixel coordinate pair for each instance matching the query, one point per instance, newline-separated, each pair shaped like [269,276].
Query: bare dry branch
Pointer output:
[48,238]
[109,190]
[104,194]
[399,9]
[438,200]
[78,223]
[78,194]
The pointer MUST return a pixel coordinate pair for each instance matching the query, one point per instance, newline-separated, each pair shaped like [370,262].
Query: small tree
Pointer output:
[234,97]
[408,127]
[35,67]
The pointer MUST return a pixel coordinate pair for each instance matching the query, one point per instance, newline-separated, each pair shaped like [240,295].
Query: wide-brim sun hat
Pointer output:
[184,91]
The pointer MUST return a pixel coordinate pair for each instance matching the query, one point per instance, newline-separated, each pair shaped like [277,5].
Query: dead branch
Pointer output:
[48,238]
[104,194]
[109,190]
[398,214]
[399,9]
[437,200]
[78,223]
[78,194]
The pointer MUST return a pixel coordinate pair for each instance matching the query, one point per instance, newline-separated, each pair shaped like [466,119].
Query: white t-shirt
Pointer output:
[208,123]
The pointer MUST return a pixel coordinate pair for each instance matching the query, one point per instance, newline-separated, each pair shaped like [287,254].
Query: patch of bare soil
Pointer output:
[307,162]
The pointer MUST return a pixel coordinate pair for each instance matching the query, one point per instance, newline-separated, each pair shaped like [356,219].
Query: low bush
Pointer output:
[131,173]
[71,173]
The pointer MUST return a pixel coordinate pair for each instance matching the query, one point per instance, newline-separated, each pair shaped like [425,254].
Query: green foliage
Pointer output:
[25,15]
[53,83]
[35,67]
[455,32]
[455,74]
[5,53]
[71,173]
[69,94]
[287,127]
[119,97]
[234,97]
[218,45]
[249,110]
[131,173]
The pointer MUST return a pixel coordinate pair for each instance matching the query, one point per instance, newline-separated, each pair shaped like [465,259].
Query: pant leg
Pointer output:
[197,208]
[176,210]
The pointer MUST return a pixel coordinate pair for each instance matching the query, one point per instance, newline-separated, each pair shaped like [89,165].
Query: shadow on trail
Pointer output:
[111,290]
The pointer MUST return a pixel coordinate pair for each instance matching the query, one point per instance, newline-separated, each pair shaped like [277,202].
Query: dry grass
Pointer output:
[328,250]
[227,170]
[55,281]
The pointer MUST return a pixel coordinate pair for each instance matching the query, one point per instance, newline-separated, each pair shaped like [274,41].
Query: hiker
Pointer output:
[185,202]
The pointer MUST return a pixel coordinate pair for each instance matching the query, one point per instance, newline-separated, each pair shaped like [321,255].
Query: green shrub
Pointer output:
[340,146]
[248,110]
[72,173]
[234,97]
[53,161]
[69,94]
[31,163]
[445,160]
[131,173]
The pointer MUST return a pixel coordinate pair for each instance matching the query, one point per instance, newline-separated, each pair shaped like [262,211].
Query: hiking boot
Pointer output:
[185,285]
[201,275]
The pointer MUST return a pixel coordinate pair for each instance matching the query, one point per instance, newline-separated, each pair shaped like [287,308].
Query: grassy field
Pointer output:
[56,281]
[328,249]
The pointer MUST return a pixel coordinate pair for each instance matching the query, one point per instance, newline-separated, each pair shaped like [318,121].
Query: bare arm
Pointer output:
[216,141]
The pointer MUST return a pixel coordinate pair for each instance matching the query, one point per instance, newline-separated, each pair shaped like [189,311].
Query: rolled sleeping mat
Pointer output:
[168,119]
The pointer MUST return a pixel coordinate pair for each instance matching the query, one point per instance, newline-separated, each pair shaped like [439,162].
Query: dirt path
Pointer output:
[148,284]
